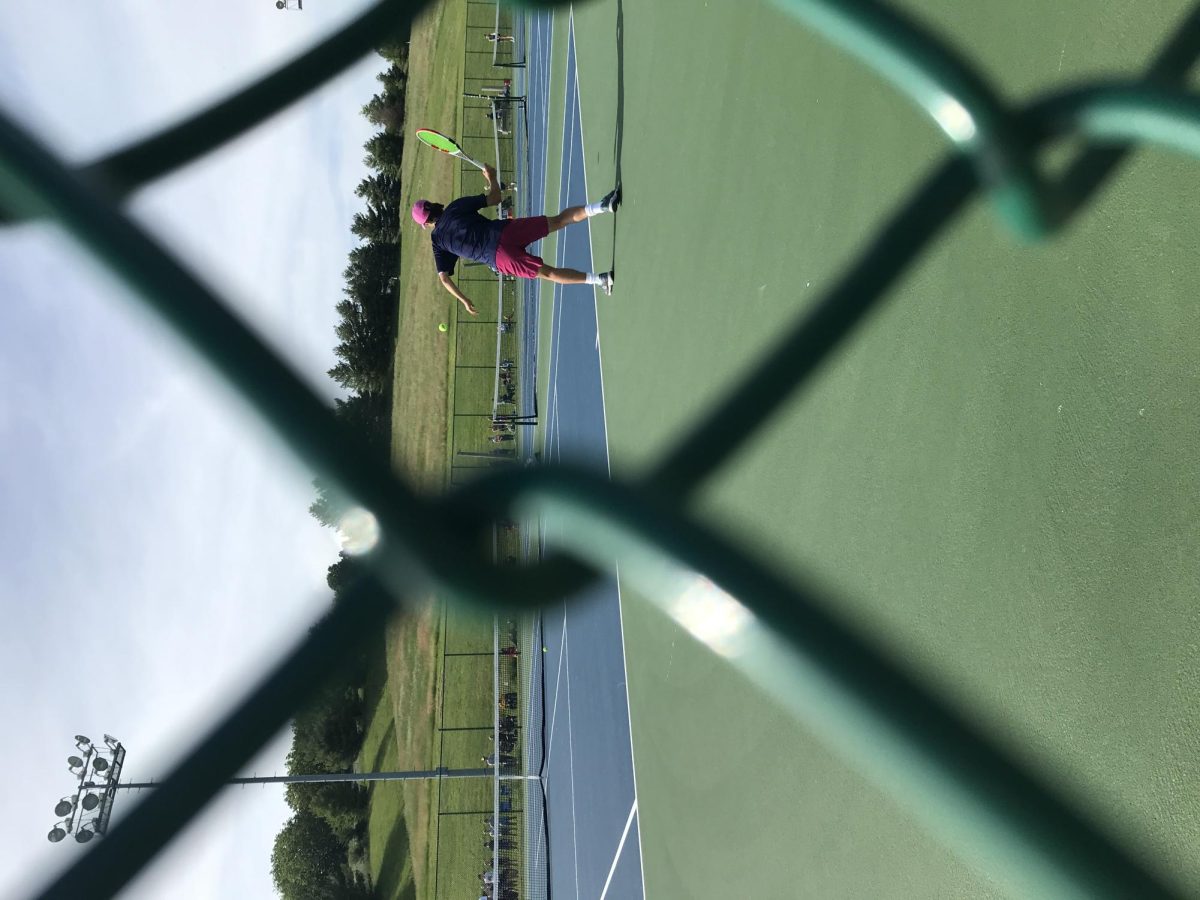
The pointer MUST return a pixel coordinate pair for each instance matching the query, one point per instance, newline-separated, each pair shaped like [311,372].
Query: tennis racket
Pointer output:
[449,146]
[439,141]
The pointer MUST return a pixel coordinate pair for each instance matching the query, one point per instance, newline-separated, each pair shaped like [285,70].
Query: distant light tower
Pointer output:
[289,4]
[86,812]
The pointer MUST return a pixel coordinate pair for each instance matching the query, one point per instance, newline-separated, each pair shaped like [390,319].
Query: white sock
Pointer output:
[593,278]
[594,209]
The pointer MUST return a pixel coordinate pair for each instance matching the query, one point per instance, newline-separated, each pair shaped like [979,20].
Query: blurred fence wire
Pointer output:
[978,799]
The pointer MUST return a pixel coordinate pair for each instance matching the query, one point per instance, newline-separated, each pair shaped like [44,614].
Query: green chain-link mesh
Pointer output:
[976,798]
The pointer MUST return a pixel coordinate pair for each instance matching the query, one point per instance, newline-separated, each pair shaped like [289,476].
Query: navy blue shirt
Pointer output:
[462,231]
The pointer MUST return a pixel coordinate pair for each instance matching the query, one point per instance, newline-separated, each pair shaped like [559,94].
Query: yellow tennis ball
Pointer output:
[443,326]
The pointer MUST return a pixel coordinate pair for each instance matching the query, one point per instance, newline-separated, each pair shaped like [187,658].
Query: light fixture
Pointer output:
[97,770]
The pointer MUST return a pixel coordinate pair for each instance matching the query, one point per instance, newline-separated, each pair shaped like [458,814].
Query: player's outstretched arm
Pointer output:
[448,284]
[493,186]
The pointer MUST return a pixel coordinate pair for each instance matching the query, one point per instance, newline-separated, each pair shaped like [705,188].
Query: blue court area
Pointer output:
[594,843]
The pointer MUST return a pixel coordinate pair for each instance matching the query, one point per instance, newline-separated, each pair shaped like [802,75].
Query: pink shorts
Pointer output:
[511,256]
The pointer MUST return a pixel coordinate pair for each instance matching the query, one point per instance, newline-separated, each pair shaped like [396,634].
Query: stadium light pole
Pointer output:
[86,812]
[356,777]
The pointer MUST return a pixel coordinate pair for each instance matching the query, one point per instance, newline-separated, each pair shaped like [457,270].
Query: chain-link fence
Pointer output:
[980,800]
[495,410]
[494,406]
[534,864]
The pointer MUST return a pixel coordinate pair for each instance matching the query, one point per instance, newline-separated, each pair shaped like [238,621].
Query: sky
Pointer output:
[156,551]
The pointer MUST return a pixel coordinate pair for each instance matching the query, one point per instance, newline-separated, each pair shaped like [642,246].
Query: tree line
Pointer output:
[321,852]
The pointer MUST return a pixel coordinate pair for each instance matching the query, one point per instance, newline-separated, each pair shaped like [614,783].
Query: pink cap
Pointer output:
[420,212]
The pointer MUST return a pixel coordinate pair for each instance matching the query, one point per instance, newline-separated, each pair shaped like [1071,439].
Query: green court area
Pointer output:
[994,477]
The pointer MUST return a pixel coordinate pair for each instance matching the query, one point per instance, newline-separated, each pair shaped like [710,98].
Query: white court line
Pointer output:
[546,104]
[570,113]
[570,727]
[620,847]
[608,464]
[552,424]
[566,636]
[553,436]
[557,678]
[552,433]
[571,757]
[551,439]
[595,290]
[629,715]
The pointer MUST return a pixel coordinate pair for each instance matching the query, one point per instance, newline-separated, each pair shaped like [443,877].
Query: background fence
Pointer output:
[493,397]
[494,410]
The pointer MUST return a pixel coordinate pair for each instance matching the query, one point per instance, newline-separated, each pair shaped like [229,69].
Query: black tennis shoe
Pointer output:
[610,201]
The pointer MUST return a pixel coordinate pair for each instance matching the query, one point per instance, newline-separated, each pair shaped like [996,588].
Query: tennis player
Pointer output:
[459,231]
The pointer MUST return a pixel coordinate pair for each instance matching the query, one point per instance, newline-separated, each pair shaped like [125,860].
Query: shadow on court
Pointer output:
[619,130]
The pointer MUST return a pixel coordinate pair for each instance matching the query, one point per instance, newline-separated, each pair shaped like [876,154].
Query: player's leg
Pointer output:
[572,214]
[562,276]
[513,256]
[568,216]
[603,280]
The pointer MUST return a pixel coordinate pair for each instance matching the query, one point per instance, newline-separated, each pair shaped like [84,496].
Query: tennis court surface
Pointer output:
[991,478]
[588,771]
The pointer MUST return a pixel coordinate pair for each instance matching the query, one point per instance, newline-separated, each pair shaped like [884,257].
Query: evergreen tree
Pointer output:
[330,505]
[379,224]
[385,151]
[380,189]
[368,414]
[386,110]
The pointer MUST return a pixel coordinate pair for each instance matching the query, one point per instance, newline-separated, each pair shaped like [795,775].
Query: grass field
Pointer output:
[466,721]
[395,870]
[992,477]
[422,386]
[402,857]
[473,376]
